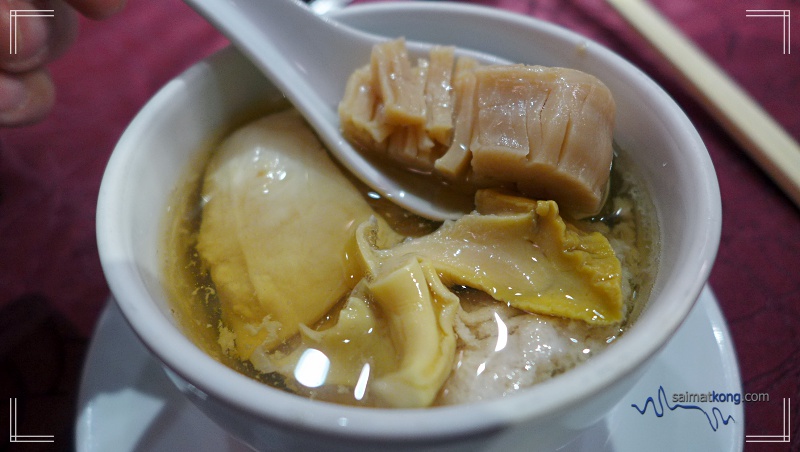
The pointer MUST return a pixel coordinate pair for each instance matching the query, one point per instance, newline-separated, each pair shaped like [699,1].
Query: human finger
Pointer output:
[39,31]
[25,98]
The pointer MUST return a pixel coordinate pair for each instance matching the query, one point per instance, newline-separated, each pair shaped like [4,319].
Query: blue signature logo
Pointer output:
[714,417]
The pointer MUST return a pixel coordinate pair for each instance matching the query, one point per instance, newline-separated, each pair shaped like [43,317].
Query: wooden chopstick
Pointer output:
[760,135]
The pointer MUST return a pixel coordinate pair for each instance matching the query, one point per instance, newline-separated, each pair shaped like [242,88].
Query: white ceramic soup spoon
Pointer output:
[309,58]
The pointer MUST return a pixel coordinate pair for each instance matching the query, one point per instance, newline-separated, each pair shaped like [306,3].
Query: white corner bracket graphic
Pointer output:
[785,16]
[16,438]
[16,13]
[786,437]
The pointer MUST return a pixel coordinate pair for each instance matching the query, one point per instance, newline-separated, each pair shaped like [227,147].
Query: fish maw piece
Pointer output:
[359,338]
[411,147]
[548,130]
[277,232]
[533,261]
[372,236]
[464,65]
[548,120]
[420,311]
[439,94]
[489,201]
[591,257]
[361,114]
[400,87]
[499,142]
[587,150]
[579,114]
[455,163]
[358,348]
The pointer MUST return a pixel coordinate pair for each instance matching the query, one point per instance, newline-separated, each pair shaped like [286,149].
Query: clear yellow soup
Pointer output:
[497,349]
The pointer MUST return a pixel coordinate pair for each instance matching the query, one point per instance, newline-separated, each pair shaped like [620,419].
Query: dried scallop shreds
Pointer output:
[502,350]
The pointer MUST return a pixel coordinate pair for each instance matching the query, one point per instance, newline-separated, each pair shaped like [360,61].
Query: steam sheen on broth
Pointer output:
[288,270]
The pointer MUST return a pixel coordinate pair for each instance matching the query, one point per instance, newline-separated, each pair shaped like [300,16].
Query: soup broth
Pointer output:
[497,348]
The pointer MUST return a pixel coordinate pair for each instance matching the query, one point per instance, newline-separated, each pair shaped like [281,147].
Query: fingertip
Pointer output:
[28,37]
[25,98]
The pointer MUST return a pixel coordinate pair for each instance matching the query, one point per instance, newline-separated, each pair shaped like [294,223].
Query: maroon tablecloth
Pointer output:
[52,288]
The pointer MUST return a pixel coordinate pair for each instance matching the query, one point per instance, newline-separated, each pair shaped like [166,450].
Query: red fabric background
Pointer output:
[52,288]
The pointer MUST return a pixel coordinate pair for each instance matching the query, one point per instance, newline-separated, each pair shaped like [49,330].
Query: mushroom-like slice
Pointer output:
[277,232]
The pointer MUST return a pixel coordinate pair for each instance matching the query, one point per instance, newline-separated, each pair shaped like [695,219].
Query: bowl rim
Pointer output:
[545,399]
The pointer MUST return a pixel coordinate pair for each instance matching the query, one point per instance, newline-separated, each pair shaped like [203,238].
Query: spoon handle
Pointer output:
[310,58]
[295,41]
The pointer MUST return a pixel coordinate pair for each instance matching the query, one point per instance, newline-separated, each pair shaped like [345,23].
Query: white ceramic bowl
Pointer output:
[174,125]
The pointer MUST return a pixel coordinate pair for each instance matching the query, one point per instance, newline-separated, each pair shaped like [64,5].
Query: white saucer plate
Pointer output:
[126,402]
